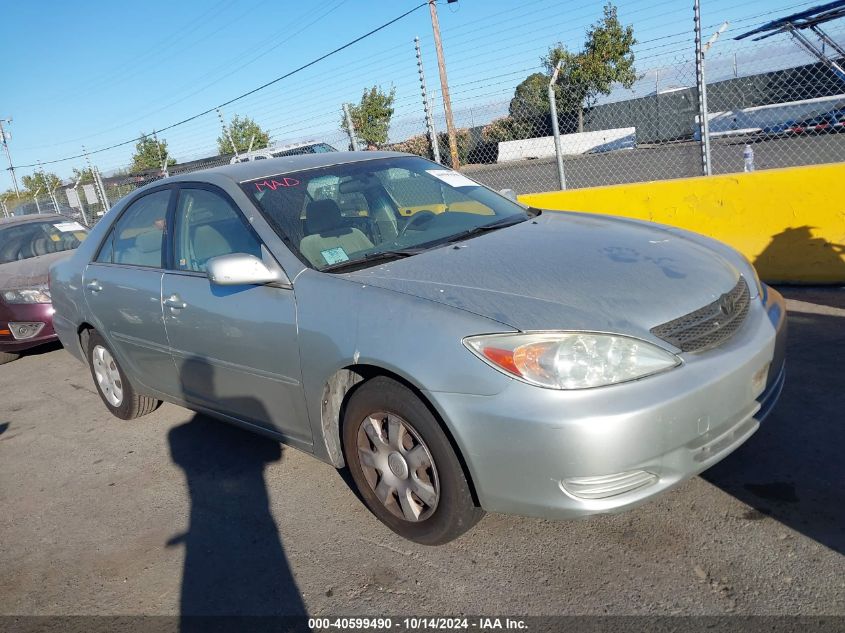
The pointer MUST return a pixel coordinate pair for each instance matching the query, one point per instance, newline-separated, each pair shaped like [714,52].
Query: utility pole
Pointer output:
[444,85]
[4,137]
[350,127]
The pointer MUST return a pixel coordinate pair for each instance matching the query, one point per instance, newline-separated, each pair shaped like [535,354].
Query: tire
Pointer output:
[427,498]
[115,390]
[8,357]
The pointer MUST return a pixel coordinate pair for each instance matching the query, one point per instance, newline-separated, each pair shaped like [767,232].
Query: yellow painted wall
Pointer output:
[789,222]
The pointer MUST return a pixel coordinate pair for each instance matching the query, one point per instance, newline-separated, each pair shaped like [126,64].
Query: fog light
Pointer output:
[607,485]
[22,331]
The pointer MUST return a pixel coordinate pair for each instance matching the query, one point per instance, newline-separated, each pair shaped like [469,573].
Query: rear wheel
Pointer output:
[404,466]
[8,357]
[115,390]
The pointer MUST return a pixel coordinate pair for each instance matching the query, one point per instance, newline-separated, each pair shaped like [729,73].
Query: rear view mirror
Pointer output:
[240,269]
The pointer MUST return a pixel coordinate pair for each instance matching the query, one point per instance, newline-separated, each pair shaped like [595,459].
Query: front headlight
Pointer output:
[38,294]
[571,360]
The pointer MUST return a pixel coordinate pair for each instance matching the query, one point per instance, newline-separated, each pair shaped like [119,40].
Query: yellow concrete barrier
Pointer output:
[789,222]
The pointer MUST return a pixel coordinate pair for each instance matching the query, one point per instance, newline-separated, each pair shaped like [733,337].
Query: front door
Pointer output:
[123,289]
[235,347]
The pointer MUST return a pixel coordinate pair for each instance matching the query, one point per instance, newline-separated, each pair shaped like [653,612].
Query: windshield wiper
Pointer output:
[484,228]
[372,258]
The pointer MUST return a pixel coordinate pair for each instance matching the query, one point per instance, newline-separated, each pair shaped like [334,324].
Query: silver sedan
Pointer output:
[456,351]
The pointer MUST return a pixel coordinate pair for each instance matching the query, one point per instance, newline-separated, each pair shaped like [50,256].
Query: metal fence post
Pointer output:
[556,127]
[350,128]
[226,131]
[429,120]
[701,85]
[99,180]
[99,189]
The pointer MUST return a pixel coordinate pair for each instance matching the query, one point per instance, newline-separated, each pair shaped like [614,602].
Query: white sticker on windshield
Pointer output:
[334,255]
[452,178]
[69,227]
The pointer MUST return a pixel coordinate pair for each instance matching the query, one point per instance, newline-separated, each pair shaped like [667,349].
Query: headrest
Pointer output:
[322,216]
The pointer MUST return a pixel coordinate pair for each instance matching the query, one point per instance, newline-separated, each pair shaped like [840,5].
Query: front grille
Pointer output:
[709,326]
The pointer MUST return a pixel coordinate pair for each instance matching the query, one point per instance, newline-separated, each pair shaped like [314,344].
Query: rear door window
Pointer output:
[139,233]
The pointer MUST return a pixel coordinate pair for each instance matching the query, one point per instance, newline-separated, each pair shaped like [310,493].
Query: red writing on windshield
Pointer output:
[274,184]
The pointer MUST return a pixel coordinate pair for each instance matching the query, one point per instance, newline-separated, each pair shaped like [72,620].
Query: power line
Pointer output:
[241,96]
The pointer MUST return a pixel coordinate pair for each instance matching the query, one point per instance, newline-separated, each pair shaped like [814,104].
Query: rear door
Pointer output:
[123,290]
[235,347]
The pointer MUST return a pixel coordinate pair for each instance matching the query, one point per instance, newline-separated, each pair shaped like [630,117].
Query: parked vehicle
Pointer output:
[822,124]
[48,208]
[457,351]
[28,245]
[278,151]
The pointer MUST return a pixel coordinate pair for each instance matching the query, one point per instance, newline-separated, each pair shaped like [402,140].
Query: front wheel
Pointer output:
[117,393]
[404,466]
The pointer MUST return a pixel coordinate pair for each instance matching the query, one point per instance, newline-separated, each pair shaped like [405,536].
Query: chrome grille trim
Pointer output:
[710,326]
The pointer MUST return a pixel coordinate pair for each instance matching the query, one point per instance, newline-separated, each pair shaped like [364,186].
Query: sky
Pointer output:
[101,73]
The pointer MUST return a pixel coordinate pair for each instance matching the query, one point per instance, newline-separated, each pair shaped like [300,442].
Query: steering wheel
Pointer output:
[420,217]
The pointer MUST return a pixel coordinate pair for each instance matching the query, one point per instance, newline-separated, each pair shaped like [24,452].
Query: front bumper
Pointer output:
[558,454]
[26,312]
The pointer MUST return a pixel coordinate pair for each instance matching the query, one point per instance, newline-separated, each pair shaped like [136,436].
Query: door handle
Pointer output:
[94,286]
[174,302]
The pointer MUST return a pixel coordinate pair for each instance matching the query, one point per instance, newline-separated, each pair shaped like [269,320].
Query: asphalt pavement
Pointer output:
[178,513]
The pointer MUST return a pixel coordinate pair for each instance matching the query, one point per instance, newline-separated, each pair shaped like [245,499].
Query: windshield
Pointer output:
[31,239]
[350,215]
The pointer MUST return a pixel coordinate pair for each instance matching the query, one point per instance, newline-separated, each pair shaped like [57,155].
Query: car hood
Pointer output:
[29,272]
[567,271]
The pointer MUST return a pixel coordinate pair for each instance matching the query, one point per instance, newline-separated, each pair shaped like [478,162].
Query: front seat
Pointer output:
[208,243]
[327,231]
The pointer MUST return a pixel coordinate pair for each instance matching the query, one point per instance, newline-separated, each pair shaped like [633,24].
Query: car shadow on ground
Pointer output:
[791,469]
[235,564]
[46,348]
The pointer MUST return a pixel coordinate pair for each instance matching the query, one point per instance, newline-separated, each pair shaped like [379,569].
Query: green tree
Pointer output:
[41,182]
[149,154]
[84,175]
[530,97]
[371,117]
[243,130]
[606,59]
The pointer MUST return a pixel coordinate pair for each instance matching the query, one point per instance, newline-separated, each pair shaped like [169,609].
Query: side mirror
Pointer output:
[240,269]
[510,194]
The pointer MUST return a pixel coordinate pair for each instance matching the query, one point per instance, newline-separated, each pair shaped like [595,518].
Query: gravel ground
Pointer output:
[95,517]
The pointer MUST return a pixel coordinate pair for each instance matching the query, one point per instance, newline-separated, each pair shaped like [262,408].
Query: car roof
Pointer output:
[240,172]
[35,217]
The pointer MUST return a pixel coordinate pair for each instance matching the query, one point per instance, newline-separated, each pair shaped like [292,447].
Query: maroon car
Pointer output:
[28,246]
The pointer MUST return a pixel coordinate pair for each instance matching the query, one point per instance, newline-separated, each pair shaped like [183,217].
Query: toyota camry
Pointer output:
[456,351]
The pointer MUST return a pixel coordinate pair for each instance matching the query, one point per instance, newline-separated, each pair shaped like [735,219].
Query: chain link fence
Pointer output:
[769,106]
